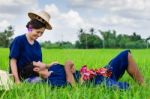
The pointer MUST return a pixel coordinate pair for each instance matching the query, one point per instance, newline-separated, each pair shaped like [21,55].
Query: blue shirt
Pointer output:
[24,52]
[58,76]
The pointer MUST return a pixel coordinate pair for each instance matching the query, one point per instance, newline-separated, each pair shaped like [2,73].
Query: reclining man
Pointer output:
[59,75]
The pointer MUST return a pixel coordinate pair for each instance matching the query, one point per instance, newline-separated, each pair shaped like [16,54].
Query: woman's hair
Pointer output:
[35,24]
[28,71]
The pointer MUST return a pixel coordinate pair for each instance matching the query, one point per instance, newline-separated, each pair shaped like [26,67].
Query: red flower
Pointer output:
[104,72]
[88,74]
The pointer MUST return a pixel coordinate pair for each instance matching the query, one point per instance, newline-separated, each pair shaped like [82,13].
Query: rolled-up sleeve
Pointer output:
[15,49]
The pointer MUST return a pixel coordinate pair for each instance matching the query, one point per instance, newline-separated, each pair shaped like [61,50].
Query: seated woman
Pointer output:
[59,75]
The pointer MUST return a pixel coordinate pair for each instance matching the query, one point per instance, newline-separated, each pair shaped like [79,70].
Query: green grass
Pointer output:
[93,58]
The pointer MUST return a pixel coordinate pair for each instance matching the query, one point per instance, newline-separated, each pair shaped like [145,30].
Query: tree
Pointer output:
[109,38]
[6,36]
[92,30]
[58,45]
[135,37]
[147,42]
[88,40]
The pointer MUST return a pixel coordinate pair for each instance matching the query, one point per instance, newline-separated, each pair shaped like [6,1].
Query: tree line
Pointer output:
[106,39]
[88,40]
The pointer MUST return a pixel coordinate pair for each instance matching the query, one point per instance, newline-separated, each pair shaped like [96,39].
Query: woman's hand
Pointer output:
[52,63]
[43,65]
[17,82]
[13,64]
[39,64]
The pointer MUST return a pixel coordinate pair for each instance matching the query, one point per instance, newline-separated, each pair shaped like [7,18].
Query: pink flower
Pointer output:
[88,74]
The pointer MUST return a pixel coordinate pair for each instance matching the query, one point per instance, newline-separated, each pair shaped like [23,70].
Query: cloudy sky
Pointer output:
[68,16]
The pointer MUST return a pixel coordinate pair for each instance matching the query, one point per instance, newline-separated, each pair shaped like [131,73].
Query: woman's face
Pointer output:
[36,33]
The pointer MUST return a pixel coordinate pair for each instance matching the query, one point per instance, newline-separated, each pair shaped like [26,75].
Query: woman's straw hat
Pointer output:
[42,16]
[6,82]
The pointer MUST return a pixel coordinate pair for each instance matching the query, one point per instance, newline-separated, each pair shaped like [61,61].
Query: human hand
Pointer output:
[17,82]
[39,64]
[52,63]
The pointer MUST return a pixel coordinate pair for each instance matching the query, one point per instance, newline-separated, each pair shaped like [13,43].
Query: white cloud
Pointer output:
[4,24]
[65,24]
[128,15]
[52,9]
[13,8]
[14,12]
[68,23]
[17,2]
[7,16]
[114,20]
[125,16]
[70,19]
[134,8]
[112,4]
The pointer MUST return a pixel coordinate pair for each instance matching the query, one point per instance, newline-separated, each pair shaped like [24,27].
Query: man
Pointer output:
[59,75]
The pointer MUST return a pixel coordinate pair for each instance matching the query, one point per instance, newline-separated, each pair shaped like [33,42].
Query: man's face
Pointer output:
[41,71]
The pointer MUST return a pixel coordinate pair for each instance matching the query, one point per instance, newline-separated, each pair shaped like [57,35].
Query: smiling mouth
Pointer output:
[35,36]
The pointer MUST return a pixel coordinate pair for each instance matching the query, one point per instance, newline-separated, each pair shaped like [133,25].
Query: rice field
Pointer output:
[93,58]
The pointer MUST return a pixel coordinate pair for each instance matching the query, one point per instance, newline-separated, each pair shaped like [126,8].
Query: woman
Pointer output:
[25,49]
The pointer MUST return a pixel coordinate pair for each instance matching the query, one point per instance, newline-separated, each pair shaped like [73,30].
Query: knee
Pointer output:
[69,62]
[69,66]
[129,55]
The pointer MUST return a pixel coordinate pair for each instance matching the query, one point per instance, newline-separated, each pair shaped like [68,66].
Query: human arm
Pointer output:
[70,69]
[13,64]
[43,65]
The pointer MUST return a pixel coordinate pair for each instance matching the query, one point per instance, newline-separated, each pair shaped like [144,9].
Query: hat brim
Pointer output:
[34,15]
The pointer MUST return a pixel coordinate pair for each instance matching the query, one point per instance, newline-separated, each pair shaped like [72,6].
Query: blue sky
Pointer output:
[68,16]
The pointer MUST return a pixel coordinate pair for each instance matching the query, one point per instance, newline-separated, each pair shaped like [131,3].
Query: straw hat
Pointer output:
[42,16]
[6,82]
